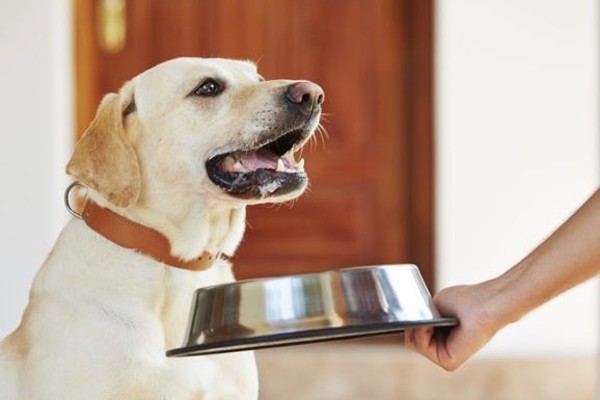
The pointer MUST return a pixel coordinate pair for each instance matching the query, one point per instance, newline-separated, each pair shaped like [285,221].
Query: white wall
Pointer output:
[35,112]
[518,150]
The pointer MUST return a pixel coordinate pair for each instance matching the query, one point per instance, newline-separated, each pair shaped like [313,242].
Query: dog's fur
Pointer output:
[100,317]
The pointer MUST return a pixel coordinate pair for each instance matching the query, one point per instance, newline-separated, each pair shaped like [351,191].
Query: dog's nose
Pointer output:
[305,94]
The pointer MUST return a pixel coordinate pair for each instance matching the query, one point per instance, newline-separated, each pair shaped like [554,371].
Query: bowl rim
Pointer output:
[242,282]
[306,337]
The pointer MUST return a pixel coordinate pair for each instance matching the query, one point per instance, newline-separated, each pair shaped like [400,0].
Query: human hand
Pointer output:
[451,347]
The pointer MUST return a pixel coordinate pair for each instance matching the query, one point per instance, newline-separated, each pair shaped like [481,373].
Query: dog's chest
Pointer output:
[122,313]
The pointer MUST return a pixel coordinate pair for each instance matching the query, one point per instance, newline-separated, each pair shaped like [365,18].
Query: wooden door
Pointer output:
[370,197]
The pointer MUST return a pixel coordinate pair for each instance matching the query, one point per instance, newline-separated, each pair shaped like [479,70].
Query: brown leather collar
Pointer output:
[140,238]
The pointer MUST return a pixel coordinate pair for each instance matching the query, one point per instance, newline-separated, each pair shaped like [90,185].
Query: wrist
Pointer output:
[502,301]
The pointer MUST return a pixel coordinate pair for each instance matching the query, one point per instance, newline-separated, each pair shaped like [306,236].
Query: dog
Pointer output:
[173,158]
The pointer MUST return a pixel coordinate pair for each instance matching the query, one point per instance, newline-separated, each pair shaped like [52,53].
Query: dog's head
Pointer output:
[198,127]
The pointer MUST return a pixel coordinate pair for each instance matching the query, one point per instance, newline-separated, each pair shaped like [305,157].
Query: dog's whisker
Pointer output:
[323,134]
[320,135]
[289,204]
[323,131]
[314,139]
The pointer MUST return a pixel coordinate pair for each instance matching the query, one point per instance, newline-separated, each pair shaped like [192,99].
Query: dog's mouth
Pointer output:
[269,169]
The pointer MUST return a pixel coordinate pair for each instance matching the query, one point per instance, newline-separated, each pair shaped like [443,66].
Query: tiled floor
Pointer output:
[360,371]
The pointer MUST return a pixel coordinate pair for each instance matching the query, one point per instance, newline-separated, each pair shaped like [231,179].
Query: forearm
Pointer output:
[568,257]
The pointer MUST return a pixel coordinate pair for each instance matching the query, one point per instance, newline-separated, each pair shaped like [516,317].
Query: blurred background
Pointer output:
[461,133]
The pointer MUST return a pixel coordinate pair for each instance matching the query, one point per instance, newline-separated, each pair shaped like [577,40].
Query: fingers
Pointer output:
[409,339]
[431,343]
[422,340]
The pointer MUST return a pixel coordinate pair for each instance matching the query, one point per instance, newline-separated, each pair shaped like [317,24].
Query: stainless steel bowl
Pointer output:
[307,308]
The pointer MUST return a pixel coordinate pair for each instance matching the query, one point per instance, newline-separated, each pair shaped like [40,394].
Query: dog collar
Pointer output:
[135,236]
[143,239]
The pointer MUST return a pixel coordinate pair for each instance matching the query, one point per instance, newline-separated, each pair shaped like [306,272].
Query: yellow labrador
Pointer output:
[178,153]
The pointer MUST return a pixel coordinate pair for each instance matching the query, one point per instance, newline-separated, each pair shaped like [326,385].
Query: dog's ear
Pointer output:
[104,160]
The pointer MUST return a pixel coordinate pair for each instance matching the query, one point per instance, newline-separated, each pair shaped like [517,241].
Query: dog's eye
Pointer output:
[208,87]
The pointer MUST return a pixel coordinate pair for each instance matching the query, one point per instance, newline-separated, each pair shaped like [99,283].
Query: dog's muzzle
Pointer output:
[270,168]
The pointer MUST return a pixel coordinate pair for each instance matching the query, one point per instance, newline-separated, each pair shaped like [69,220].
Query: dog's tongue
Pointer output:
[242,161]
[258,159]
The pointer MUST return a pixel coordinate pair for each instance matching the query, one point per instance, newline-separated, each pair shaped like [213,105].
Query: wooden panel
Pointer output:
[329,228]
[370,199]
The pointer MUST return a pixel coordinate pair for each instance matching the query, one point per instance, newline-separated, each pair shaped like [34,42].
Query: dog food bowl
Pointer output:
[296,309]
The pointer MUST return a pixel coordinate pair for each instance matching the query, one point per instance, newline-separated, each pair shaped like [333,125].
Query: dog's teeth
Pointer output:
[238,166]
[300,164]
[228,164]
[280,166]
